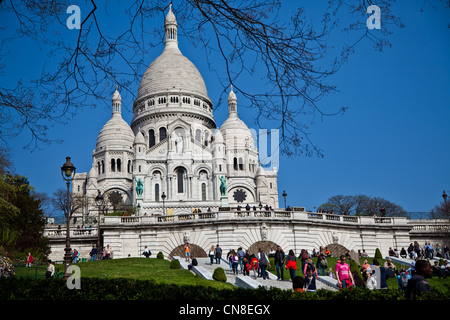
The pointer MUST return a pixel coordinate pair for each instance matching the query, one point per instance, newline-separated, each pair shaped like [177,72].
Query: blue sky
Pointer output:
[393,141]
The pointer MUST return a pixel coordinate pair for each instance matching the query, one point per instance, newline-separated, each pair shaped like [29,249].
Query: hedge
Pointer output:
[127,289]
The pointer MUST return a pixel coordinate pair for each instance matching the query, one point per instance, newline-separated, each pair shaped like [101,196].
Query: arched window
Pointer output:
[129,166]
[180,178]
[235,163]
[203,191]
[157,192]
[206,138]
[99,168]
[152,140]
[241,164]
[162,134]
[103,167]
[113,165]
[198,135]
[119,165]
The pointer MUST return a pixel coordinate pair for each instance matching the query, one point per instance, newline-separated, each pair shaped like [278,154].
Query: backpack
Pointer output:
[403,280]
[263,260]
[324,262]
[305,256]
[310,266]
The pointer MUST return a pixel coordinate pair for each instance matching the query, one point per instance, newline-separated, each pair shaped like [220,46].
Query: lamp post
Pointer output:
[99,201]
[444,195]
[67,172]
[163,197]
[284,196]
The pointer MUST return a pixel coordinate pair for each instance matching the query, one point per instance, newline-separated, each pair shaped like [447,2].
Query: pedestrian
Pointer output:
[50,270]
[322,262]
[211,254]
[417,285]
[240,254]
[147,253]
[93,253]
[304,257]
[218,254]
[310,281]
[343,274]
[279,262]
[298,283]
[291,264]
[108,252]
[309,266]
[254,265]
[193,263]
[234,262]
[402,280]
[263,263]
[246,270]
[371,282]
[29,260]
[187,251]
[75,255]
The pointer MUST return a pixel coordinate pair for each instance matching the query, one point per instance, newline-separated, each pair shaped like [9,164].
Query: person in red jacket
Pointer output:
[291,264]
[29,260]
[254,265]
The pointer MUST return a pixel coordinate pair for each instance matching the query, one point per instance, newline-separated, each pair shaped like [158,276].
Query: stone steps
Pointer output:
[205,270]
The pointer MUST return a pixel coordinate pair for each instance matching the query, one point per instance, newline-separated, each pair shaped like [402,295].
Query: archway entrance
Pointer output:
[196,251]
[337,249]
[266,246]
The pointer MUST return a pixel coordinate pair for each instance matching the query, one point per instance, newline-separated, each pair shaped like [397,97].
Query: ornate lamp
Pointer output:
[68,173]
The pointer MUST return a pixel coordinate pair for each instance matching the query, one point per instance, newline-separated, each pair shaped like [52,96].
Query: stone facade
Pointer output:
[173,148]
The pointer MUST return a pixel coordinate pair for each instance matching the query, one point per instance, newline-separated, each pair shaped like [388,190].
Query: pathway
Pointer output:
[205,270]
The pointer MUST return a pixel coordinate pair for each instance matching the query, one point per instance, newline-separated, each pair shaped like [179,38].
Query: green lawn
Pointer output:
[132,268]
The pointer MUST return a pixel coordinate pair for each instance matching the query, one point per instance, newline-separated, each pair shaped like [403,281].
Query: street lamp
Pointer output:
[163,197]
[284,196]
[99,201]
[67,172]
[444,195]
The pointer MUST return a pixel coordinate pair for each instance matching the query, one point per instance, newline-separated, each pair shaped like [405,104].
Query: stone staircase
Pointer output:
[205,270]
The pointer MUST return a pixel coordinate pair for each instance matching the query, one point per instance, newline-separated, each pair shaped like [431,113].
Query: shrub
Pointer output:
[175,264]
[160,255]
[378,254]
[219,275]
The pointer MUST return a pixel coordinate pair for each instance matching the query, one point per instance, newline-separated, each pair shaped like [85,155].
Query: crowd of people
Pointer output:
[427,251]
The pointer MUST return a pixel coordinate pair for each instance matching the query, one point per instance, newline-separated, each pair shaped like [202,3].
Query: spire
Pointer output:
[170,26]
[116,102]
[232,103]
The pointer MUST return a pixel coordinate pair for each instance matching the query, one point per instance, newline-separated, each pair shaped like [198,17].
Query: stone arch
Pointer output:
[266,246]
[196,251]
[337,249]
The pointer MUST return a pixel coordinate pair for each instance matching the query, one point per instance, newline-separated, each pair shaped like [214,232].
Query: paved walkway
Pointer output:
[205,270]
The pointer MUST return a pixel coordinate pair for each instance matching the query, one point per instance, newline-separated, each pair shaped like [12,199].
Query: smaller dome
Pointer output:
[170,17]
[92,173]
[260,171]
[139,139]
[218,137]
[115,133]
[232,96]
[116,96]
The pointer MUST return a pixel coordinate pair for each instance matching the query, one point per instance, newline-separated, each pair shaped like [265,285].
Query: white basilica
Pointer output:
[172,157]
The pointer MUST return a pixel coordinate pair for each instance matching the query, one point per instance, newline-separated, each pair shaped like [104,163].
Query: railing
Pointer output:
[416,225]
[76,233]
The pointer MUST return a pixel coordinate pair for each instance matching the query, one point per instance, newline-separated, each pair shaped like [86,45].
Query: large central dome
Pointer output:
[171,85]
[172,72]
